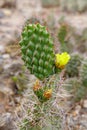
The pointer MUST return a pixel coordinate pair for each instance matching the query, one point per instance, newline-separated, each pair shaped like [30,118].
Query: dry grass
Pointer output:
[50,115]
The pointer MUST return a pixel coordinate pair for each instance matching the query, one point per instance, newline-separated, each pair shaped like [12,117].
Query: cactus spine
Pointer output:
[74,86]
[37,50]
[72,68]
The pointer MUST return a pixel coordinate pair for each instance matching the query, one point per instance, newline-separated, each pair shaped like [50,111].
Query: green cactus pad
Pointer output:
[37,50]
[72,69]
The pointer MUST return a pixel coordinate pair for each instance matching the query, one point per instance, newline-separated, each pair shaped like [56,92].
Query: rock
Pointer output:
[1,3]
[6,56]
[6,122]
[78,108]
[8,3]
[2,108]
[76,111]
[85,104]
[83,121]
[6,88]
[1,14]
[12,68]
[5,119]
[2,49]
[7,12]
[32,78]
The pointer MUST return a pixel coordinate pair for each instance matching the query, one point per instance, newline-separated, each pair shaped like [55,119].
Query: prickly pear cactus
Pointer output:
[62,33]
[37,50]
[72,68]
[32,20]
[47,3]
[75,88]
[74,5]
[83,73]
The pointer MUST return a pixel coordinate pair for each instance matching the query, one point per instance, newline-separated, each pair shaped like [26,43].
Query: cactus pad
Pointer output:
[37,50]
[72,69]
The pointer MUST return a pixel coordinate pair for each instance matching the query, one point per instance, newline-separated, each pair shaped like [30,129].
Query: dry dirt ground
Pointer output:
[11,23]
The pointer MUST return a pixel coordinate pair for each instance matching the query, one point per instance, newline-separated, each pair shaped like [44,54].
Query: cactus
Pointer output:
[32,20]
[69,5]
[72,68]
[75,88]
[47,3]
[82,5]
[82,38]
[74,5]
[37,50]
[62,33]
[83,73]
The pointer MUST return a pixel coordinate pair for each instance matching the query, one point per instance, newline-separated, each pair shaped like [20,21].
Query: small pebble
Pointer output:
[7,12]
[5,118]
[78,108]
[6,66]
[6,56]
[2,49]
[1,14]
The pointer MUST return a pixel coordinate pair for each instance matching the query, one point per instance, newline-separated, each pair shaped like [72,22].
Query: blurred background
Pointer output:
[61,17]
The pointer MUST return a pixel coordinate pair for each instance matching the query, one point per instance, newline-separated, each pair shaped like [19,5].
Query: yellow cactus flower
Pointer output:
[37,86]
[62,60]
[48,93]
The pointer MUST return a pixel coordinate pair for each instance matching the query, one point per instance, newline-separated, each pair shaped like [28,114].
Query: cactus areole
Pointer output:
[37,50]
